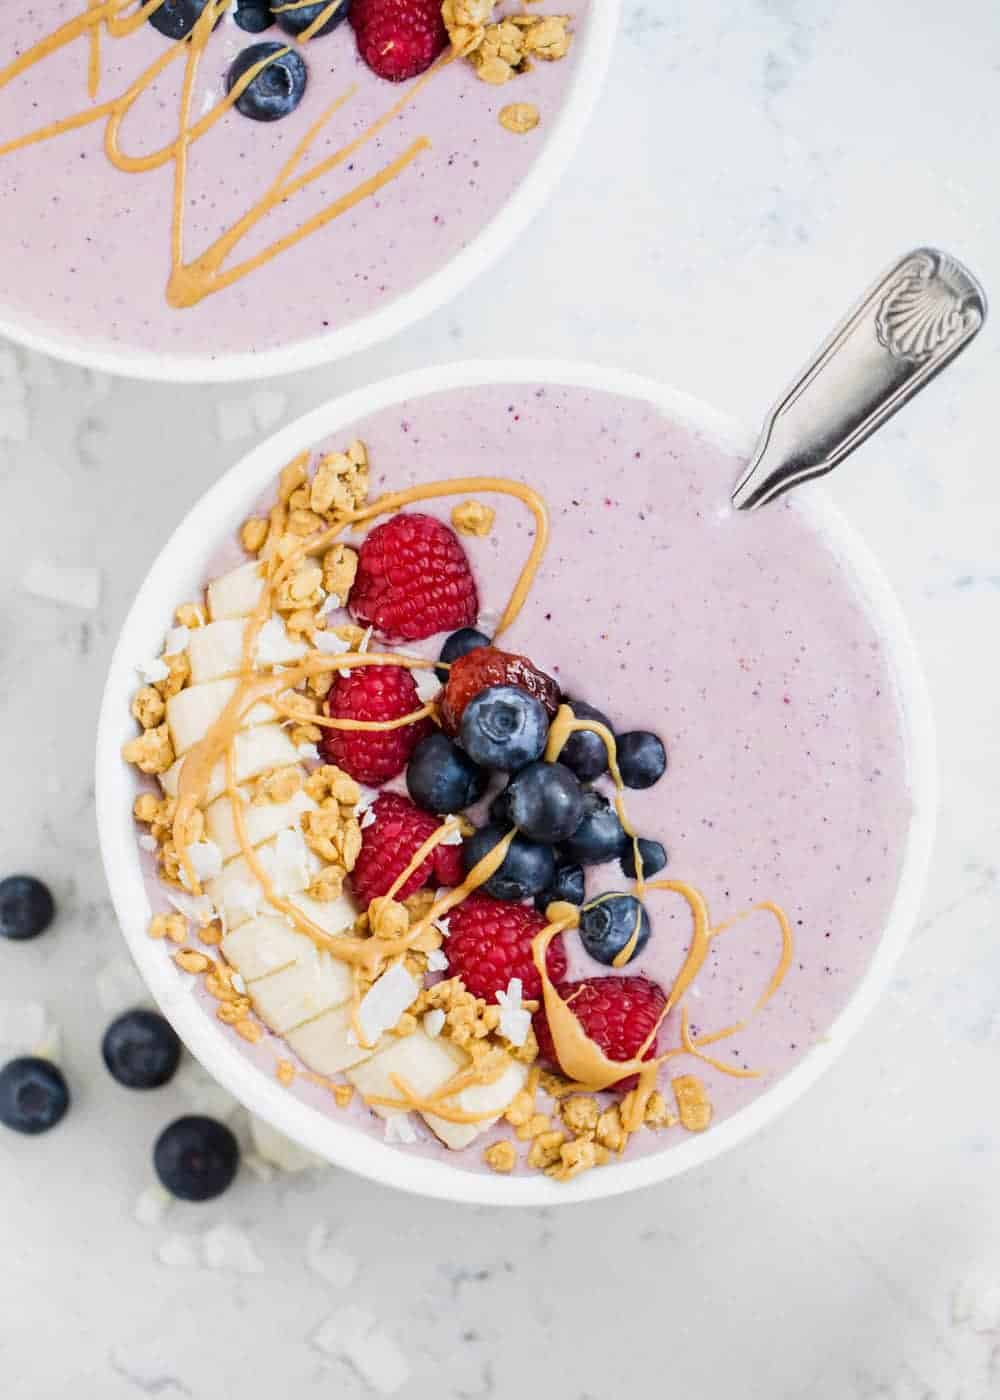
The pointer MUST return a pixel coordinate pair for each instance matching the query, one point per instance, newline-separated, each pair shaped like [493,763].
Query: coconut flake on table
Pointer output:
[385,1001]
[201,1092]
[229,1248]
[434,1022]
[23,1024]
[280,1151]
[334,1265]
[353,1333]
[119,987]
[268,406]
[74,587]
[515,1019]
[179,1252]
[152,1205]
[233,419]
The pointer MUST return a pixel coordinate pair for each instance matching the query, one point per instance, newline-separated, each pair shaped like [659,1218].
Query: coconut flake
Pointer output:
[148,843]
[233,419]
[152,671]
[453,837]
[202,1093]
[330,604]
[434,1022]
[244,898]
[275,647]
[238,983]
[22,1025]
[365,641]
[366,797]
[287,862]
[152,1205]
[179,1252]
[309,752]
[262,1170]
[515,1020]
[443,926]
[176,641]
[330,643]
[334,1265]
[437,961]
[119,987]
[367,819]
[385,1001]
[352,1334]
[399,1130]
[229,1248]
[74,587]
[196,907]
[268,405]
[206,859]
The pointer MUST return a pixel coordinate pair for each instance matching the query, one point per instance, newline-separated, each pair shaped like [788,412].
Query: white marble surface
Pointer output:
[751,166]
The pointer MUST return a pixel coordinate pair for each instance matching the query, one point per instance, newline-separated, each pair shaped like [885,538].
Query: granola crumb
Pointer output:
[340,483]
[545,1149]
[285,1072]
[419,905]
[657,1113]
[340,565]
[327,886]
[693,1103]
[151,752]
[178,674]
[146,808]
[501,1156]
[473,518]
[537,1124]
[253,534]
[190,615]
[292,477]
[169,926]
[149,707]
[519,117]
[249,1030]
[229,1012]
[329,781]
[580,1113]
[555,1085]
[210,935]
[342,1094]
[574,1158]
[188,960]
[610,1131]
[520,1108]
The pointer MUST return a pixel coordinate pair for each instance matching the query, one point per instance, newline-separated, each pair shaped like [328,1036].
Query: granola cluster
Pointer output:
[501,47]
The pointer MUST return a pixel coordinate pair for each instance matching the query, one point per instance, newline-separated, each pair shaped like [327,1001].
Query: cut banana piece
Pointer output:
[425,1064]
[262,946]
[216,650]
[192,712]
[235,594]
[265,746]
[478,1098]
[329,1045]
[331,915]
[314,983]
[228,891]
[261,822]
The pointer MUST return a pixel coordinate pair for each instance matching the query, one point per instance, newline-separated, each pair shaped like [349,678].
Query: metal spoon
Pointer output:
[912,323]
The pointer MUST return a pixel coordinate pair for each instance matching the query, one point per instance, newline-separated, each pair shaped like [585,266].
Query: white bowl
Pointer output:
[180,568]
[494,239]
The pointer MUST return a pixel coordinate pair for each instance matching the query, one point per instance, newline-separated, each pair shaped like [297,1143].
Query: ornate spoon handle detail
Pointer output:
[911,324]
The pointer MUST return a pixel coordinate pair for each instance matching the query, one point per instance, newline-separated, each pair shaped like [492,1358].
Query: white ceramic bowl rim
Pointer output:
[217,511]
[485,248]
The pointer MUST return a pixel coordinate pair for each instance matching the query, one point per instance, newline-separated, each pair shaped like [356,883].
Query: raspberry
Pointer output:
[449,867]
[617,1013]
[373,693]
[399,38]
[486,666]
[388,844]
[490,942]
[413,580]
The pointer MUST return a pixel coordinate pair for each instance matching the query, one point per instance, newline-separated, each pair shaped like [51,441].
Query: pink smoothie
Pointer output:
[85,247]
[740,641]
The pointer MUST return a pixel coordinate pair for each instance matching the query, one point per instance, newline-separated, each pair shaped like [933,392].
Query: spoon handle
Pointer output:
[911,324]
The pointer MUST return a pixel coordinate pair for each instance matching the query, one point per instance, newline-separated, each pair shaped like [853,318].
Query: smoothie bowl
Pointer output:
[503,816]
[220,189]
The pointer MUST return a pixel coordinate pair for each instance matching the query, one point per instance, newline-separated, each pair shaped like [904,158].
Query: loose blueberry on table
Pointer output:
[33,1095]
[141,1049]
[196,1158]
[26,907]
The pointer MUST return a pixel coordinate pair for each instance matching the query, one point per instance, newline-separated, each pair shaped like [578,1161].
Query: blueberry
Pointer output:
[642,759]
[568,886]
[254,15]
[610,922]
[654,858]
[296,21]
[460,643]
[277,89]
[26,907]
[196,1158]
[527,867]
[33,1095]
[584,751]
[545,802]
[176,18]
[504,727]
[441,778]
[141,1050]
[600,836]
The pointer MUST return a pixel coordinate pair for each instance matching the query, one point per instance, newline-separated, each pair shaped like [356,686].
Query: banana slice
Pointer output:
[192,712]
[332,915]
[314,983]
[235,594]
[478,1098]
[228,891]
[216,650]
[328,1044]
[262,946]
[424,1063]
[261,822]
[265,746]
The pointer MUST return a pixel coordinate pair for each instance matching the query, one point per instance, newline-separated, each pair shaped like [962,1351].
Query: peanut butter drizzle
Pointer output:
[437,1103]
[189,283]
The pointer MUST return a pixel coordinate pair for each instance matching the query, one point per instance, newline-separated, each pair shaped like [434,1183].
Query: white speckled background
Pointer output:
[751,167]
